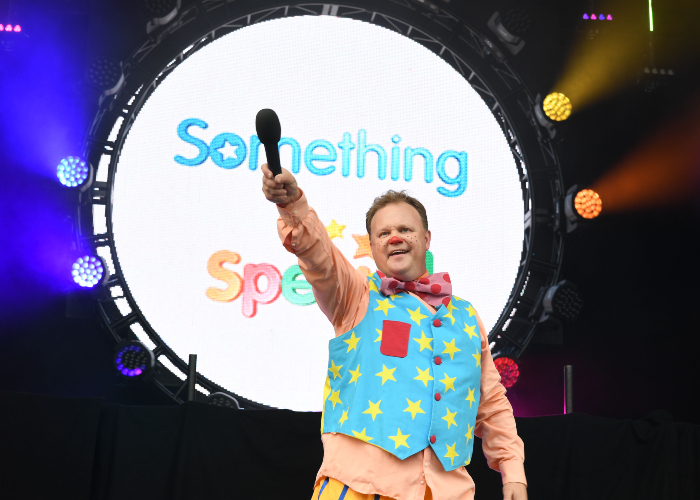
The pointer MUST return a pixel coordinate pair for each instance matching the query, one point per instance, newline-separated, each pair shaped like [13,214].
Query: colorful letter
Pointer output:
[252,295]
[346,145]
[460,179]
[362,150]
[310,156]
[218,142]
[290,285]
[216,269]
[183,133]
[409,153]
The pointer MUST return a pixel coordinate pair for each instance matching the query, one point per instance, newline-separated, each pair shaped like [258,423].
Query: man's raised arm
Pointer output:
[336,284]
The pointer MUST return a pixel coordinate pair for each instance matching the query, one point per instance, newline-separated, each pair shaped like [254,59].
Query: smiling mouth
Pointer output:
[398,252]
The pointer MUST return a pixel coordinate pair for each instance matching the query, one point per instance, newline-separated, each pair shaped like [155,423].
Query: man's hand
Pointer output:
[282,189]
[514,491]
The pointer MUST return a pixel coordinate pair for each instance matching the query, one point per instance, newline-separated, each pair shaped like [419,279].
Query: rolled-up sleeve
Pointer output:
[495,425]
[339,289]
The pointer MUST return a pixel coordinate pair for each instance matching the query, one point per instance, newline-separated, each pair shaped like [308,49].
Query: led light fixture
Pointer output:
[89,271]
[563,301]
[508,369]
[556,106]
[73,171]
[511,27]
[224,400]
[133,359]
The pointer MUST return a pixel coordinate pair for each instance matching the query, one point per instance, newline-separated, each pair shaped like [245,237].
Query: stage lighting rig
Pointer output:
[578,208]
[134,360]
[90,271]
[562,301]
[74,172]
[105,75]
[223,400]
[508,370]
[161,12]
[554,108]
[510,28]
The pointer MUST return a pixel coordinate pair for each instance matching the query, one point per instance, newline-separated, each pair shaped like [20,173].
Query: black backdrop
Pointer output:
[73,448]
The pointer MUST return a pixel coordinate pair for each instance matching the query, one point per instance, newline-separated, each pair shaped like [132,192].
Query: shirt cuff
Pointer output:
[293,213]
[512,471]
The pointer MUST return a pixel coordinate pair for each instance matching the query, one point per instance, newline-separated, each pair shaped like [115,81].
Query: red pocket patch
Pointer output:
[395,338]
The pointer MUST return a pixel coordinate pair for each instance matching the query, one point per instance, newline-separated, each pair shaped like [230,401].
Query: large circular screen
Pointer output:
[363,110]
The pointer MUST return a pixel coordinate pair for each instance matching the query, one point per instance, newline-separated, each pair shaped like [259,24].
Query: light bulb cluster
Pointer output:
[88,271]
[508,369]
[598,17]
[10,29]
[72,171]
[557,106]
[588,204]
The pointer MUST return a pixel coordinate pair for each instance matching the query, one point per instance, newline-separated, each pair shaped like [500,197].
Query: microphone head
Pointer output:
[267,126]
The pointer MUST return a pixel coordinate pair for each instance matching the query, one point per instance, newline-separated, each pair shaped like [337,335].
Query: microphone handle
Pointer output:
[273,158]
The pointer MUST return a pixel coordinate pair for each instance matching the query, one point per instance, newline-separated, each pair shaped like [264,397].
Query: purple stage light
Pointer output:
[18,28]
[593,16]
[88,271]
[601,17]
[585,16]
[133,359]
[72,171]
[609,17]
[8,27]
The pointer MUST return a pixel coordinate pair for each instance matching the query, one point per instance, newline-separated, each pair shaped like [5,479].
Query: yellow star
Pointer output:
[451,306]
[457,299]
[477,356]
[423,375]
[335,230]
[392,297]
[384,306]
[335,398]
[449,315]
[413,408]
[373,409]
[373,286]
[400,439]
[335,370]
[450,418]
[379,339]
[363,247]
[470,330]
[344,417]
[424,342]
[469,435]
[355,375]
[449,382]
[470,310]
[361,435]
[352,342]
[416,315]
[451,453]
[468,460]
[470,398]
[386,374]
[450,349]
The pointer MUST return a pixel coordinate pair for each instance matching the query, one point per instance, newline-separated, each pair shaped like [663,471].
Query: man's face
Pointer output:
[399,242]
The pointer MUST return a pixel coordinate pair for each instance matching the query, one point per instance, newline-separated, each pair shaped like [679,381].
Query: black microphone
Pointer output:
[267,125]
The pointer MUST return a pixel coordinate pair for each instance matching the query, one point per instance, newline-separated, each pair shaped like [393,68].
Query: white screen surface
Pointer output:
[187,191]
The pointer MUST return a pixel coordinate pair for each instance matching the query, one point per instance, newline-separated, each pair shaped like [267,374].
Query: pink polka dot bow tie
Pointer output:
[436,289]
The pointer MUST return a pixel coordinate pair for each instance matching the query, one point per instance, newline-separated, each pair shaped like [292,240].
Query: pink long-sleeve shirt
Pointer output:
[342,293]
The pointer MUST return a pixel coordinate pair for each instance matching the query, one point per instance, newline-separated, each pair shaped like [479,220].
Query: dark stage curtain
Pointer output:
[56,448]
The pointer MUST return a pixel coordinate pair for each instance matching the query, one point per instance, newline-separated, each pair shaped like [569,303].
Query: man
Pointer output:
[400,410]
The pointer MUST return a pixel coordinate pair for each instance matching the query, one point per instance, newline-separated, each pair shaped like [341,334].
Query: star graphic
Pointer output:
[477,356]
[449,382]
[470,330]
[468,460]
[373,286]
[470,398]
[400,439]
[457,299]
[344,417]
[470,310]
[379,339]
[384,306]
[450,349]
[361,435]
[424,342]
[449,315]
[451,453]
[335,398]
[335,370]
[229,152]
[416,315]
[352,342]
[363,247]
[450,418]
[386,374]
[374,409]
[335,230]
[355,375]
[451,306]
[469,435]
[413,408]
[423,375]
[392,297]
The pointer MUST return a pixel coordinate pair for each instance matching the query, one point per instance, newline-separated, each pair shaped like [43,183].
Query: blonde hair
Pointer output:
[390,197]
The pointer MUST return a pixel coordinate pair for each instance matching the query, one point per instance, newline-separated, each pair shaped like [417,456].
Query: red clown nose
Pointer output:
[395,240]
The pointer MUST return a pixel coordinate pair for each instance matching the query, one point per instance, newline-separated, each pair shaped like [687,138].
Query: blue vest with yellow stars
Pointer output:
[404,379]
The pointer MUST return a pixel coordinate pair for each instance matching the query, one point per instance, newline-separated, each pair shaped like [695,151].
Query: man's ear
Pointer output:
[427,240]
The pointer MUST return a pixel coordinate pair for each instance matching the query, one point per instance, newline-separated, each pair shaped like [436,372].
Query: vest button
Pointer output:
[433,439]
[437,322]
[438,361]
[437,396]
